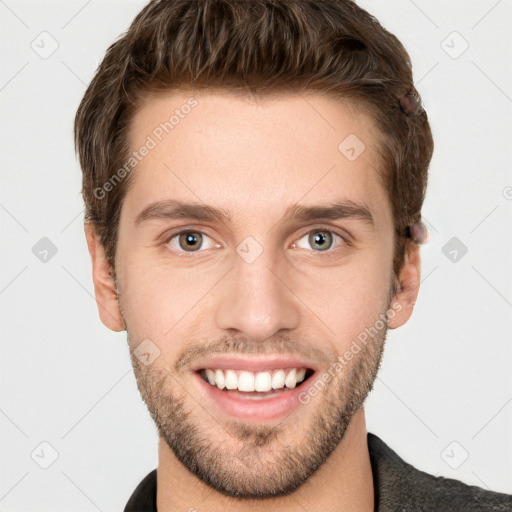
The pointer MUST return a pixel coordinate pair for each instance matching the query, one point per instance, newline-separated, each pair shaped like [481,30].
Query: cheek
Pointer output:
[156,295]
[351,298]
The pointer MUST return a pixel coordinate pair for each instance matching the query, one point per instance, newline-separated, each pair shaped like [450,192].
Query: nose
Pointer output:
[256,300]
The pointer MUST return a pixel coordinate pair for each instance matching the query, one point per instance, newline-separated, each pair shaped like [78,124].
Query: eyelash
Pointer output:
[328,253]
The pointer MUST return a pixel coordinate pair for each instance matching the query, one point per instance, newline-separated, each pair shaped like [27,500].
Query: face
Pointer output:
[227,277]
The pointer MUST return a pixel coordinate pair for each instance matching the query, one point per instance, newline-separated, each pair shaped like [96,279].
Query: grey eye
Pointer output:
[320,239]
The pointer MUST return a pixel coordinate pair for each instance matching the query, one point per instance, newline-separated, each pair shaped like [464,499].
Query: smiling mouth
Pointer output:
[262,384]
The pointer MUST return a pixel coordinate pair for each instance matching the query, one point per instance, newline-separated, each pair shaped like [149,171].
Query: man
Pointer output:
[253,174]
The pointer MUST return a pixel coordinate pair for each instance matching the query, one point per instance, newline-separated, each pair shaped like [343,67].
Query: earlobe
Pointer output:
[408,287]
[104,286]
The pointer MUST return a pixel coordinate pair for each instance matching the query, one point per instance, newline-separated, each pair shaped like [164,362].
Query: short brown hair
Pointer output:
[262,47]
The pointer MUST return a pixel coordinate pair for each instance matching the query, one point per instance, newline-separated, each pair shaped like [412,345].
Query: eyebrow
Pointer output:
[172,209]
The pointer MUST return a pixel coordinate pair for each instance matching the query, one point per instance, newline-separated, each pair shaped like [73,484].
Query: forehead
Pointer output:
[254,155]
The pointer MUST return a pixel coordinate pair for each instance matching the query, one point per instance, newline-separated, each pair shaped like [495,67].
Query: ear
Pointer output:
[104,286]
[408,286]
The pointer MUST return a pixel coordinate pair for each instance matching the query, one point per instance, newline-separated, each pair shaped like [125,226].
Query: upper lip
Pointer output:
[252,363]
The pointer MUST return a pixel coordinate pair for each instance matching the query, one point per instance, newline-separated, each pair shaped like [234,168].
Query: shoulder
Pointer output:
[399,486]
[143,498]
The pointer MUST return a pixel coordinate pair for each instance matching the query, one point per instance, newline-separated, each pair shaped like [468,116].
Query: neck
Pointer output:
[343,482]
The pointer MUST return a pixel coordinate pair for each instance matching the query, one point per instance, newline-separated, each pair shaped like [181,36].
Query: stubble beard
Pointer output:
[269,460]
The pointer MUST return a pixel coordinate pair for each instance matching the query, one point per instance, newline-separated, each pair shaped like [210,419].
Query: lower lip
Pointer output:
[270,408]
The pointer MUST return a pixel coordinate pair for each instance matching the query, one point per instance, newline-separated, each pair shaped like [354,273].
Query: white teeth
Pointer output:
[278,380]
[231,380]
[261,381]
[211,376]
[246,381]
[291,379]
[219,379]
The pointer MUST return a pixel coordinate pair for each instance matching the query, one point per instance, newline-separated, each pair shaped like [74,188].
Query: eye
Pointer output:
[321,239]
[189,241]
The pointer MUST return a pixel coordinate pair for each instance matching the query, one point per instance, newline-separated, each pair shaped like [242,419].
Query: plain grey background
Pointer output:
[443,399]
